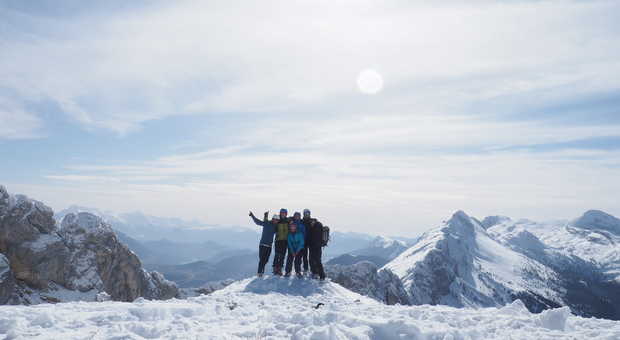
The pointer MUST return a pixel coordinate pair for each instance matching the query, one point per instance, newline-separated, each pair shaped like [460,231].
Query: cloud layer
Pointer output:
[486,106]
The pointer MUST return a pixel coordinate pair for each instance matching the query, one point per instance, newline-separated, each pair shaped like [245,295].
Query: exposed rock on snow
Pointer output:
[7,280]
[75,262]
[365,278]
[278,308]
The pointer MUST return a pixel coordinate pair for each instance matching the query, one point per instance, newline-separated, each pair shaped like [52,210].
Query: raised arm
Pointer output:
[256,220]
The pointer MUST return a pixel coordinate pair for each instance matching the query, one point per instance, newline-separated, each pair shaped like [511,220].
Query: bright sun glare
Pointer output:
[370,81]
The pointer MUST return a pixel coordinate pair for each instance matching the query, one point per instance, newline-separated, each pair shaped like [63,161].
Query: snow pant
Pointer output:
[263,257]
[316,264]
[278,259]
[289,262]
[304,257]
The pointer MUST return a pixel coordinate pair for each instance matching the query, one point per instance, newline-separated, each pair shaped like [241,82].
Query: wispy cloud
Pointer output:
[16,122]
[473,114]
[356,192]
[299,57]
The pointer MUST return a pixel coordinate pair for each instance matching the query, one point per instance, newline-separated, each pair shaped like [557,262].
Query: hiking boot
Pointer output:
[299,275]
[259,274]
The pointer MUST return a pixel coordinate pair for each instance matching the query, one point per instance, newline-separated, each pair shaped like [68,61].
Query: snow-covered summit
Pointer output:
[280,308]
[459,264]
[385,242]
[382,247]
[490,221]
[593,238]
[598,220]
[323,291]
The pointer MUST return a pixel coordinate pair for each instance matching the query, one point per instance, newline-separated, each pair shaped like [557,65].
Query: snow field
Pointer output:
[277,308]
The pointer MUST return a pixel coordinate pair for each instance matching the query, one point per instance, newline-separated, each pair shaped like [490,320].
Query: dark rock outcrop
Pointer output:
[75,262]
[365,278]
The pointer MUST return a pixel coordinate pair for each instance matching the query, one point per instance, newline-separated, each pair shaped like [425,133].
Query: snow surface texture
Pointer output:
[277,308]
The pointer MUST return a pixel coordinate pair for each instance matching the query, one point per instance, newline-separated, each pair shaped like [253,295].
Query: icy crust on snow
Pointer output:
[276,308]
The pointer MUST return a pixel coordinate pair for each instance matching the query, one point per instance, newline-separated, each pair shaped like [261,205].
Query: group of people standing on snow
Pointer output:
[303,237]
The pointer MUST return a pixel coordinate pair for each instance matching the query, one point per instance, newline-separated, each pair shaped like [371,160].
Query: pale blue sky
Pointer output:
[207,109]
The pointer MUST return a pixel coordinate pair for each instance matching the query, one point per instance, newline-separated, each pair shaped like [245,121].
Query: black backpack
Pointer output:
[325,240]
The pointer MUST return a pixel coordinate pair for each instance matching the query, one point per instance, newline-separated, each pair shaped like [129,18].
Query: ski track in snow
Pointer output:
[276,308]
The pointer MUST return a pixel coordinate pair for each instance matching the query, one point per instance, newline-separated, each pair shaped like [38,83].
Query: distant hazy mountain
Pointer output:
[348,259]
[343,243]
[383,247]
[197,274]
[150,228]
[211,240]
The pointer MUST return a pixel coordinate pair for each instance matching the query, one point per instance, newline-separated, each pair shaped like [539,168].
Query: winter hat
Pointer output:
[283,211]
[276,217]
[306,212]
[297,213]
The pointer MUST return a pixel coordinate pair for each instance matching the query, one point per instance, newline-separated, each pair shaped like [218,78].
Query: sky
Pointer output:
[382,117]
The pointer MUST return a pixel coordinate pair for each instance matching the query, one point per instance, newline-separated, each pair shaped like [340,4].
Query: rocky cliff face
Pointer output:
[43,263]
[365,278]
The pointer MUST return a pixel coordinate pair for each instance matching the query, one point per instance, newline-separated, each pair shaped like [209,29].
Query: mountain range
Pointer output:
[466,262]
[463,262]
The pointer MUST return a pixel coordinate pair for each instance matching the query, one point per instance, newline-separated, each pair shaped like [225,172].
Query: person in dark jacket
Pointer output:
[302,228]
[295,246]
[266,239]
[314,229]
[281,242]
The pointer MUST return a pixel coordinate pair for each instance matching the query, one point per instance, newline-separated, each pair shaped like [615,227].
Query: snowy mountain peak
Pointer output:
[385,242]
[596,219]
[461,224]
[491,221]
[460,264]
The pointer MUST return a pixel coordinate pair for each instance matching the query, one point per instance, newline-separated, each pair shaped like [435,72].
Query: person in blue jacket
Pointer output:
[266,239]
[295,247]
[302,228]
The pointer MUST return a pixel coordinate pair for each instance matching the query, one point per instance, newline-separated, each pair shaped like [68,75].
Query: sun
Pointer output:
[370,81]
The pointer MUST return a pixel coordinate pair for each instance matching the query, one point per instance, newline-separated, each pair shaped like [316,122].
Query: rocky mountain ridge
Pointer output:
[41,261]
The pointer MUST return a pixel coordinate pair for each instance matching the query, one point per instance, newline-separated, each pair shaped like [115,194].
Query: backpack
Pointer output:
[325,236]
